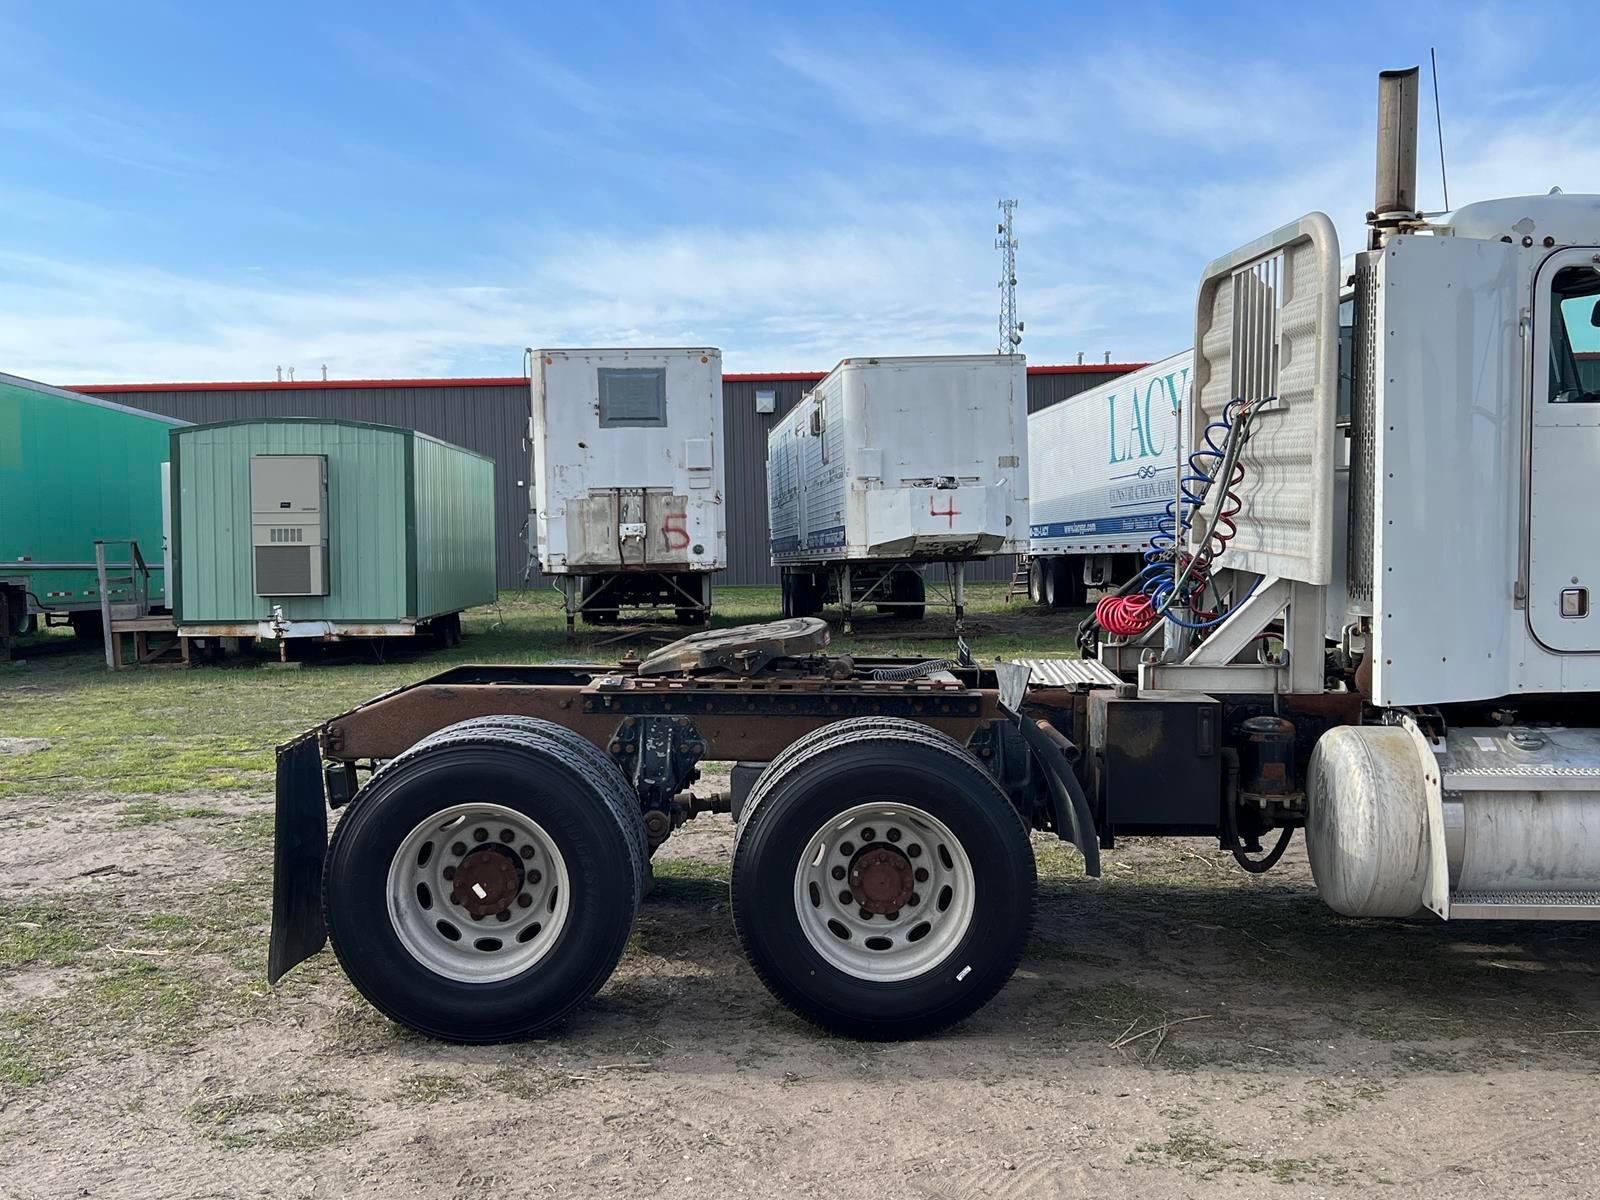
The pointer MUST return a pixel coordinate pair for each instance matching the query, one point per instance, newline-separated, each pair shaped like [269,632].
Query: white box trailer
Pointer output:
[1102,470]
[889,464]
[628,508]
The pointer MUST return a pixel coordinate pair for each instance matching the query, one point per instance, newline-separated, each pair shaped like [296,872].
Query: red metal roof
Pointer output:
[272,385]
[301,385]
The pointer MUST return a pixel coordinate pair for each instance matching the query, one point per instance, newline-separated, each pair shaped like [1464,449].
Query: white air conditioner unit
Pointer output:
[289,524]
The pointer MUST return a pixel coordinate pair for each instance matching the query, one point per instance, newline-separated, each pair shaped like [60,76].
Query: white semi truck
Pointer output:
[628,507]
[1409,675]
[1102,468]
[889,465]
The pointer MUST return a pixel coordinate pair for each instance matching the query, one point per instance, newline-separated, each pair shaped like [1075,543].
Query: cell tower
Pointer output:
[1006,243]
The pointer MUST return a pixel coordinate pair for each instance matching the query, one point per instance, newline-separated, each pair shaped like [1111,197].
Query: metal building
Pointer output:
[491,417]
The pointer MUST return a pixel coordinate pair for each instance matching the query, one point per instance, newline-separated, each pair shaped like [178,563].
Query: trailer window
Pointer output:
[633,397]
[1575,336]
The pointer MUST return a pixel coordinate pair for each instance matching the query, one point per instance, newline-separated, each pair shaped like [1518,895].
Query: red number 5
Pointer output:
[677,537]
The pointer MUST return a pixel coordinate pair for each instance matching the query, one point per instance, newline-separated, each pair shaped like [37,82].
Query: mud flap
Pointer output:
[1074,821]
[300,841]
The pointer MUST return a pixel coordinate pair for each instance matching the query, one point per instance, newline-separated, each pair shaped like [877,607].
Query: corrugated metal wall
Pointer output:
[491,418]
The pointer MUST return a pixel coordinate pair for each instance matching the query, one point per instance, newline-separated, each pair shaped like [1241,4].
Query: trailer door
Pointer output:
[1563,551]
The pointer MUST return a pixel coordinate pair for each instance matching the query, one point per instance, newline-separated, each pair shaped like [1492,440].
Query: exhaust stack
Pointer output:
[1395,203]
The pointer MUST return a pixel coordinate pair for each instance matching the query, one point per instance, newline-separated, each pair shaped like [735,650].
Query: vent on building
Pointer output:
[632,396]
[285,570]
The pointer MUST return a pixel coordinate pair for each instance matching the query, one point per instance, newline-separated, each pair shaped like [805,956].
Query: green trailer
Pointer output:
[300,528]
[74,469]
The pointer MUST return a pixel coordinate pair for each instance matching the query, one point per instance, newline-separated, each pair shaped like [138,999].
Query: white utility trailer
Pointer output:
[628,507]
[890,464]
[1102,467]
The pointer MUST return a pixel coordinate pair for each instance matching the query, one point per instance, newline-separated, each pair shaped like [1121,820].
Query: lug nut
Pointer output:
[847,848]
[838,872]
[480,835]
[524,900]
[893,916]
[895,835]
[922,874]
[846,898]
[503,915]
[914,900]
[448,872]
[869,834]
[458,849]
[534,877]
[507,836]
[866,913]
[914,850]
[526,852]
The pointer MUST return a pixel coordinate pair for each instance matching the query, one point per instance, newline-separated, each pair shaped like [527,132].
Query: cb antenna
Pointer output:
[1006,243]
[1438,123]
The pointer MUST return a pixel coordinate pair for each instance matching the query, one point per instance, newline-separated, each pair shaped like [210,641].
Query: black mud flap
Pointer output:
[1074,821]
[301,840]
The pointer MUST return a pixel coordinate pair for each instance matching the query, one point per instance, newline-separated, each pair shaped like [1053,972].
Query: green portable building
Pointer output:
[306,528]
[74,468]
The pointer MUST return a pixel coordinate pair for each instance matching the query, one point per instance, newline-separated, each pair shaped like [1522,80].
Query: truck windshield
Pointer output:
[1575,336]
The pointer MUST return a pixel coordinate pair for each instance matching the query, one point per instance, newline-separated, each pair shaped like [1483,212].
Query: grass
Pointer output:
[1210,1155]
[152,732]
[297,1120]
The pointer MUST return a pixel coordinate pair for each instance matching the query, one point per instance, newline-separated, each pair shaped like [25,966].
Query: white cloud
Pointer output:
[1134,168]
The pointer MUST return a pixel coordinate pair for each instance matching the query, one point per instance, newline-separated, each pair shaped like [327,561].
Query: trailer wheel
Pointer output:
[1036,570]
[802,594]
[883,886]
[484,883]
[86,626]
[909,588]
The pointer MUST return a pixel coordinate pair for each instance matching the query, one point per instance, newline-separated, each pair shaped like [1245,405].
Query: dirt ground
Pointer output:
[1177,1029]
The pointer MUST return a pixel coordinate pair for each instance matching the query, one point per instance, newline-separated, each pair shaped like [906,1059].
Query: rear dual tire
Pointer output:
[1061,583]
[866,820]
[802,593]
[569,879]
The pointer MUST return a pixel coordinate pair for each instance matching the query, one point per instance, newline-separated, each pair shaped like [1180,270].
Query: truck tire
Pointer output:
[1036,570]
[570,741]
[872,820]
[803,594]
[1063,584]
[823,732]
[87,626]
[1071,592]
[910,589]
[428,953]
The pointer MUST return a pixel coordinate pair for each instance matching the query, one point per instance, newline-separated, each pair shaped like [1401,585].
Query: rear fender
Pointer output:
[299,844]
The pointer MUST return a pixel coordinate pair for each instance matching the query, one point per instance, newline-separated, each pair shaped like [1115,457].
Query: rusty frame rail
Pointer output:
[750,719]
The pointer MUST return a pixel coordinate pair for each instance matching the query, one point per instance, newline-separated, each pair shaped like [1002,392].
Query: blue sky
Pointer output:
[193,192]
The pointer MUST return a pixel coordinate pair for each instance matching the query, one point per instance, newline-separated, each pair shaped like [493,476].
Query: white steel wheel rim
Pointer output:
[905,941]
[443,857]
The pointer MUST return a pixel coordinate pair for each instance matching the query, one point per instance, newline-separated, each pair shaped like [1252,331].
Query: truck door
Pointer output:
[1563,549]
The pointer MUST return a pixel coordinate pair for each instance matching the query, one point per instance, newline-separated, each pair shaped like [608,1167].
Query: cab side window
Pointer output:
[1575,336]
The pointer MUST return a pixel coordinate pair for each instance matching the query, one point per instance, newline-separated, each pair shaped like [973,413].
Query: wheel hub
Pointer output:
[881,879]
[487,880]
